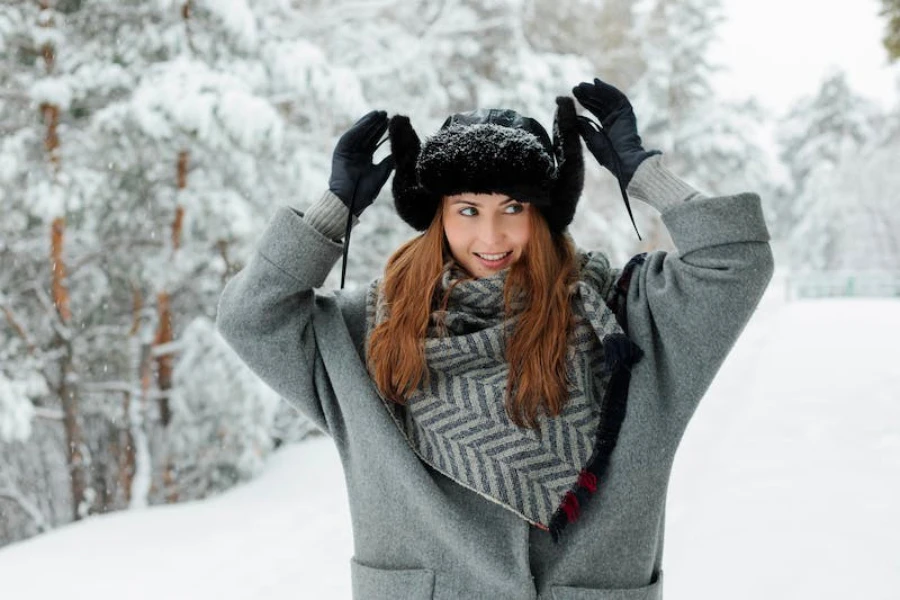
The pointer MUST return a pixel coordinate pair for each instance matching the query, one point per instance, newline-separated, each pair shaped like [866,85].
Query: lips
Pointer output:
[497,256]
[494,261]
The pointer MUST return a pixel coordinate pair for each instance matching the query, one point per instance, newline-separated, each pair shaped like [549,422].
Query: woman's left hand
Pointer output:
[617,145]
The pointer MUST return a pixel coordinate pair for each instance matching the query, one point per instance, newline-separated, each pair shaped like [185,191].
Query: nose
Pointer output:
[490,231]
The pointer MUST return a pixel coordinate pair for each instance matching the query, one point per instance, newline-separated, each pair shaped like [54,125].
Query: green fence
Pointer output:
[844,284]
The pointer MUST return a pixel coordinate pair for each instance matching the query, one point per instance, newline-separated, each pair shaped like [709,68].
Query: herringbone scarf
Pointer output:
[457,422]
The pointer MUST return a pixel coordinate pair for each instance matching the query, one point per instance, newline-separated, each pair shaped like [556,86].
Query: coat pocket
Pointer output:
[371,583]
[649,592]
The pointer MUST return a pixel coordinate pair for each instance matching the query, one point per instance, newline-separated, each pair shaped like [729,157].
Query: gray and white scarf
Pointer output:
[457,422]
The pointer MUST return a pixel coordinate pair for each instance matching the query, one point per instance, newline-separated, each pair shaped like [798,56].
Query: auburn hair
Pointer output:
[536,293]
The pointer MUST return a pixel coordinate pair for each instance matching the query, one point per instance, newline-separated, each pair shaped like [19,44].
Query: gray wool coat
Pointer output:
[419,535]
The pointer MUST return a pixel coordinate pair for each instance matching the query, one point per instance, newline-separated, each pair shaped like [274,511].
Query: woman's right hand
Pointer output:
[354,178]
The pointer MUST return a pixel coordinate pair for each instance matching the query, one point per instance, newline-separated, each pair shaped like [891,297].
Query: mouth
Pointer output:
[494,261]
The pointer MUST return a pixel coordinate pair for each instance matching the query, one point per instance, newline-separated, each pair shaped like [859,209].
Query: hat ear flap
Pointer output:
[413,203]
[569,180]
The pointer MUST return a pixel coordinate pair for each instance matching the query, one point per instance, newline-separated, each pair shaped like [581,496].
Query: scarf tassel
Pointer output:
[620,353]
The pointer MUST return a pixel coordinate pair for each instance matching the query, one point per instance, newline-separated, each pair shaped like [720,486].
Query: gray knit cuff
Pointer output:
[654,184]
[329,216]
[298,249]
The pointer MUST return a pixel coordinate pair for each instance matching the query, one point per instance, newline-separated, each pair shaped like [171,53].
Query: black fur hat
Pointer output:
[489,151]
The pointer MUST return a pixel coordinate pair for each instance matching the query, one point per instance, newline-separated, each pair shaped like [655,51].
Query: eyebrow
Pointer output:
[504,203]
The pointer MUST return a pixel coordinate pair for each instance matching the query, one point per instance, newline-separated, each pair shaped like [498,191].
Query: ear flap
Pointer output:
[569,181]
[413,203]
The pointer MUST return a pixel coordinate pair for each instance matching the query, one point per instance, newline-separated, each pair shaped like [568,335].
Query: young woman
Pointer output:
[506,406]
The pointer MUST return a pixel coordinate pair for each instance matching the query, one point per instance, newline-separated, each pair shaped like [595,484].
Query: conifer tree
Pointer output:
[890,10]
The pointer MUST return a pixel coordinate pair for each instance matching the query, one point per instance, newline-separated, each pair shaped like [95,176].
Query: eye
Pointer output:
[468,211]
[514,208]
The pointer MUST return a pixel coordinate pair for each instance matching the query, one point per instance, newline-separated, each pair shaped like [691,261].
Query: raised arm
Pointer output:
[266,311]
[685,309]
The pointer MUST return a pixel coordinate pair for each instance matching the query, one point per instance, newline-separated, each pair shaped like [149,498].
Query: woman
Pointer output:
[506,407]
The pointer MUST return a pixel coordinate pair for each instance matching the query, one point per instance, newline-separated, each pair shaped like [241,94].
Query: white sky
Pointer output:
[780,50]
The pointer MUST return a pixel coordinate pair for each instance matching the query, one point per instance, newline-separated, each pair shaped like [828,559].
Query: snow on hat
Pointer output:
[489,151]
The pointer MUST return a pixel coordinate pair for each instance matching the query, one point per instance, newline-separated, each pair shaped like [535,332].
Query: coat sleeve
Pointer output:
[265,313]
[686,309]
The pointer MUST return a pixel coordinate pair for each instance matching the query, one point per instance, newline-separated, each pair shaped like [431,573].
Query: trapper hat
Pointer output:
[489,151]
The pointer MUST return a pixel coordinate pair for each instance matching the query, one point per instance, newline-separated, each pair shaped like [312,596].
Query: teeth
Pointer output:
[493,256]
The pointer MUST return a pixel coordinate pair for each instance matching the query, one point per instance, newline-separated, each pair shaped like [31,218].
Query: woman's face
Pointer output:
[486,232]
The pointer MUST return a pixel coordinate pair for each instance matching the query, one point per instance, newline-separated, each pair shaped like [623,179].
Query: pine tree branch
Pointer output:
[113,247]
[12,493]
[140,14]
[11,94]
[18,328]
[48,414]
[59,327]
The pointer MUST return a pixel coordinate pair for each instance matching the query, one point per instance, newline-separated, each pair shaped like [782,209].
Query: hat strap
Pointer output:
[347,230]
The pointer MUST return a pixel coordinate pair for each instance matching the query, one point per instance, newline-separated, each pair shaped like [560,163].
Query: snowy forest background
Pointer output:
[145,144]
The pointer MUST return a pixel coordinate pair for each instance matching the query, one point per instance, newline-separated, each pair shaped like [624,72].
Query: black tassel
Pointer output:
[620,351]
[618,302]
[626,353]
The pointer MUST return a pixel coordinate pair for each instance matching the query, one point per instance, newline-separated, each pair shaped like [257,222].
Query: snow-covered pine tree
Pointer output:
[178,129]
[712,144]
[218,131]
[837,149]
[819,130]
[890,10]
[601,31]
[851,225]
[37,297]
[604,34]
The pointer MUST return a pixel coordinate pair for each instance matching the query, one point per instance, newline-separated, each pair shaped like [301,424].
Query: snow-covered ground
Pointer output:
[786,486]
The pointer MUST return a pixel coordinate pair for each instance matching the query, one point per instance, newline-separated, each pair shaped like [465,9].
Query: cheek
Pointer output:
[523,234]
[454,234]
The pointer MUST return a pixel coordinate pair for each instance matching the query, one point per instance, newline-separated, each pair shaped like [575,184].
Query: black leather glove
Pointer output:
[354,178]
[617,146]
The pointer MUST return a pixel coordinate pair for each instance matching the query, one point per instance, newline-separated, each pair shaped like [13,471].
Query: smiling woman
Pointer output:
[506,406]
[486,232]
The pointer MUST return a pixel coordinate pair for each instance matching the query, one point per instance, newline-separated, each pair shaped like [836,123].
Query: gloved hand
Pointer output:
[617,146]
[354,178]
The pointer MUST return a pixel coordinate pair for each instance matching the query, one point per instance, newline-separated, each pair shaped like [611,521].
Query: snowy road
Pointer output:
[787,484]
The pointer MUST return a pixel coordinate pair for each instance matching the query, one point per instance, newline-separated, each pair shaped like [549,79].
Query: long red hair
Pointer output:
[537,291]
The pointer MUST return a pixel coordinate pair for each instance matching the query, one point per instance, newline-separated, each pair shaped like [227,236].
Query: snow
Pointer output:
[187,96]
[16,409]
[251,121]
[785,486]
[237,18]
[52,90]
[263,541]
[48,199]
[787,483]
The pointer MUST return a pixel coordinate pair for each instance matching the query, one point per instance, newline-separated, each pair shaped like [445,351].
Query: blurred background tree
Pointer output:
[891,12]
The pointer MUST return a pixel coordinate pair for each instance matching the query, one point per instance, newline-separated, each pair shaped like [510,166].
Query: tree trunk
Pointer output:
[127,455]
[66,386]
[164,361]
[67,391]
[143,465]
[165,333]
